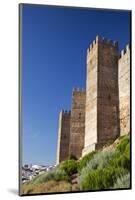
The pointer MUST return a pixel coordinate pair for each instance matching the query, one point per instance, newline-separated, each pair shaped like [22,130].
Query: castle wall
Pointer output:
[63,136]
[77,130]
[102,103]
[102,113]
[108,127]
[91,98]
[124,91]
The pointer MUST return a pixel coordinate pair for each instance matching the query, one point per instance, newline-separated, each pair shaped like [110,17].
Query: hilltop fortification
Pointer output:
[102,112]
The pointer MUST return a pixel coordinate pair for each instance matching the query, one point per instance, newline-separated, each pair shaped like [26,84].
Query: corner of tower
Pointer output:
[102,41]
[124,52]
[92,47]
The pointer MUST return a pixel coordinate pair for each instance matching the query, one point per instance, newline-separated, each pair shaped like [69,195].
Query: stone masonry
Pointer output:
[77,127]
[124,90]
[102,100]
[102,112]
[63,136]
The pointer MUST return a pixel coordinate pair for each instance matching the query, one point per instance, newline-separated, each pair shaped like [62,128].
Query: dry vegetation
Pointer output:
[48,187]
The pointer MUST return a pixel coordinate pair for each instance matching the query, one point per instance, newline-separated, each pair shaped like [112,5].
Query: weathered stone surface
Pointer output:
[102,99]
[63,136]
[77,129]
[124,91]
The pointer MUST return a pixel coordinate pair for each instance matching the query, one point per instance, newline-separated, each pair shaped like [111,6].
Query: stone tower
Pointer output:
[102,98]
[63,136]
[124,90]
[77,129]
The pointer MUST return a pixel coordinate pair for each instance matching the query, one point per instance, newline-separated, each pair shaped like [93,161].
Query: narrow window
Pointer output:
[79,115]
[109,97]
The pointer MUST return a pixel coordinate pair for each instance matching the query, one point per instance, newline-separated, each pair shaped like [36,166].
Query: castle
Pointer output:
[102,112]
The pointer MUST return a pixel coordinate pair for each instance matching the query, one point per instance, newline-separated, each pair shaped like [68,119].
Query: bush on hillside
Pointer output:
[56,175]
[108,169]
[123,143]
[83,162]
[69,167]
[122,158]
[99,161]
[100,178]
[122,182]
[121,161]
[127,151]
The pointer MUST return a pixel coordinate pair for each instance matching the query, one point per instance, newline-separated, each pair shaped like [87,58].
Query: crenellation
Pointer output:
[91,46]
[97,38]
[106,41]
[88,50]
[116,43]
[94,42]
[127,47]
[66,112]
[81,90]
[124,51]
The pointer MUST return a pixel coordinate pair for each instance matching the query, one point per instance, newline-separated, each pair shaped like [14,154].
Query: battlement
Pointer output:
[79,90]
[91,46]
[124,51]
[66,112]
[101,40]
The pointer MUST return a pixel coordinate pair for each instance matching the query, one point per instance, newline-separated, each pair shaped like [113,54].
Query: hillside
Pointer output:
[98,170]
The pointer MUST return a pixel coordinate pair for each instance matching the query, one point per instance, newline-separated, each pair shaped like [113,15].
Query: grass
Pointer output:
[48,187]
[107,169]
[123,143]
[101,178]
[122,182]
[83,162]
[69,167]
[92,171]
[56,175]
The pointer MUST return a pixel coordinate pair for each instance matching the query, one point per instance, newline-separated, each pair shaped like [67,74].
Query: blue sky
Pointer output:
[54,43]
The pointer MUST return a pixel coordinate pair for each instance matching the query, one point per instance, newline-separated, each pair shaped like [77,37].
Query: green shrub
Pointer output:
[122,157]
[122,182]
[122,145]
[42,178]
[61,175]
[69,167]
[127,151]
[125,162]
[99,161]
[120,161]
[83,162]
[100,178]
[56,175]
[107,169]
